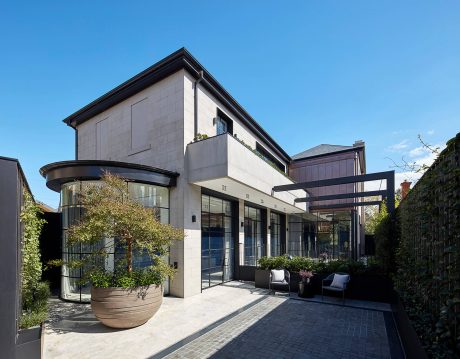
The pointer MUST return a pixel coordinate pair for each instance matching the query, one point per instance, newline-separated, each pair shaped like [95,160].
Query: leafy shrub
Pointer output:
[123,279]
[296,264]
[35,306]
[31,265]
[269,263]
[34,294]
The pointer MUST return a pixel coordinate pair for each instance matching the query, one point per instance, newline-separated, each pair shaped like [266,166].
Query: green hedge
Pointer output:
[428,257]
[34,294]
[298,263]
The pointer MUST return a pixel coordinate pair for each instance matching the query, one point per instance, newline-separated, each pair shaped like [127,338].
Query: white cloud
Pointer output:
[420,157]
[417,151]
[411,160]
[430,132]
[399,146]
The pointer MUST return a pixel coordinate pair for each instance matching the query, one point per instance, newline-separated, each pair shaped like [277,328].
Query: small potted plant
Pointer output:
[305,287]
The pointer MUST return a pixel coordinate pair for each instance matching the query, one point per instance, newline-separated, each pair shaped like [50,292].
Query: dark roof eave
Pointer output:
[180,59]
[59,173]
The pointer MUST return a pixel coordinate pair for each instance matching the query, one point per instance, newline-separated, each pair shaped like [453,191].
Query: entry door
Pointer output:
[217,241]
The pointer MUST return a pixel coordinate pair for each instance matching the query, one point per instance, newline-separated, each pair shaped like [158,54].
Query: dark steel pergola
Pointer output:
[387,194]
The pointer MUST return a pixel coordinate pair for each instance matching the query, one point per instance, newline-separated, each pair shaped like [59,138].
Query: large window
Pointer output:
[301,240]
[217,241]
[72,211]
[275,234]
[254,235]
[334,233]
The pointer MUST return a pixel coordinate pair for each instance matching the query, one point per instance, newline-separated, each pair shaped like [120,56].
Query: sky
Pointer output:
[310,72]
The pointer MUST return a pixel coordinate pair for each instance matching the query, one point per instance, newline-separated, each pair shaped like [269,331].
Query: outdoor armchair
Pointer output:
[339,285]
[279,277]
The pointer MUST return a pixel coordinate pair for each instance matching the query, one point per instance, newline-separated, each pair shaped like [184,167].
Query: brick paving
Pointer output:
[278,327]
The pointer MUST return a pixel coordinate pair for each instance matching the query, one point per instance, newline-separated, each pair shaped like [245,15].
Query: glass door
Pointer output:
[254,244]
[217,241]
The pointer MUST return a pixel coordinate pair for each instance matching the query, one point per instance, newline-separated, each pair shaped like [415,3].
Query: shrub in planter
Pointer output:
[269,263]
[116,229]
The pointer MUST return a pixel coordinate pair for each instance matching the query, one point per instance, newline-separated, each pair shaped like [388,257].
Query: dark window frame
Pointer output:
[267,155]
[222,116]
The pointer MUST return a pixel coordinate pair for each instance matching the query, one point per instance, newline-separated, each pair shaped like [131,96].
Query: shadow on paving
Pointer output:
[296,330]
[65,317]
[278,328]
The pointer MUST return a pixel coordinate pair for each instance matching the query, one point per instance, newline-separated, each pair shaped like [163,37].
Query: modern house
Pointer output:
[339,228]
[186,146]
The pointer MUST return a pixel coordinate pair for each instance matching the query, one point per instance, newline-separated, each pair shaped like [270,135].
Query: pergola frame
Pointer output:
[389,194]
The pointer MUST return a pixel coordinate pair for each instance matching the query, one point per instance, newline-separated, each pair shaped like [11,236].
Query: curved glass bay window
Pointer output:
[254,234]
[147,185]
[149,196]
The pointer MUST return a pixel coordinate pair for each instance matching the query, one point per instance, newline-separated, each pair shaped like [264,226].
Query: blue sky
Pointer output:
[309,72]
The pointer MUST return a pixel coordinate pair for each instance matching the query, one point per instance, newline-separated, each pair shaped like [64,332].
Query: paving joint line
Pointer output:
[183,342]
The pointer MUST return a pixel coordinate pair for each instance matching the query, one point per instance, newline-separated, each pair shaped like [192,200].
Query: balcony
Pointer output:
[224,164]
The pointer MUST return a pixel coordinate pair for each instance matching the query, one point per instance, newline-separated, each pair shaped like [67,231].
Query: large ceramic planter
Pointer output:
[126,307]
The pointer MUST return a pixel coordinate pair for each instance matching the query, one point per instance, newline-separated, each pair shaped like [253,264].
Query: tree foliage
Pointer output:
[110,213]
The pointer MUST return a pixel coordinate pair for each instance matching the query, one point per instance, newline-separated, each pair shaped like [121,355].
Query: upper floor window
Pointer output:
[223,123]
[268,156]
[221,126]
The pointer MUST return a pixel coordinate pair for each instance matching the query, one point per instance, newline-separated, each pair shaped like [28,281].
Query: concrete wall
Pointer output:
[165,127]
[223,157]
[207,111]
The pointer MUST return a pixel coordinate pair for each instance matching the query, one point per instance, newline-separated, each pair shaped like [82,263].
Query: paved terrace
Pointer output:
[234,320]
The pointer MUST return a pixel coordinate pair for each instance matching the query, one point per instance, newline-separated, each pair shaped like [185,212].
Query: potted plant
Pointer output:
[305,287]
[117,230]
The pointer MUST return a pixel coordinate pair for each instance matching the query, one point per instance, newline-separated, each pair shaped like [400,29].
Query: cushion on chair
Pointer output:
[339,280]
[277,275]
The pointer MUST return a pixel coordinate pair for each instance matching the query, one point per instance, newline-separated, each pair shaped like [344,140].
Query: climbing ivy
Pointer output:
[428,255]
[33,292]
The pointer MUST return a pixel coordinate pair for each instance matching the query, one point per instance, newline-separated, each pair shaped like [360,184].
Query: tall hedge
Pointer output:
[34,293]
[428,256]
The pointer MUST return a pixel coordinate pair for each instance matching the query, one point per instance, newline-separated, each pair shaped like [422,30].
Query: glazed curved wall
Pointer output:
[149,196]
